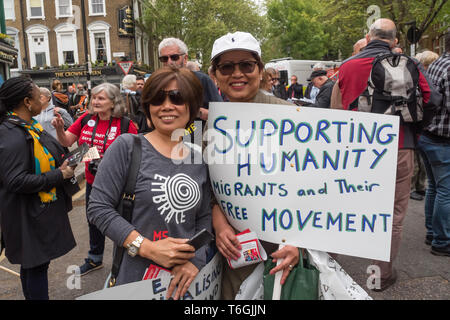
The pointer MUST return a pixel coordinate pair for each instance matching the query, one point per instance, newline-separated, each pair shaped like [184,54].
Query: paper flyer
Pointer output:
[92,154]
[252,252]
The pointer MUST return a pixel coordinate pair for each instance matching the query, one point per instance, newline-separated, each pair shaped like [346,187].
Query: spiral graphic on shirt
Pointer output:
[183,193]
[180,194]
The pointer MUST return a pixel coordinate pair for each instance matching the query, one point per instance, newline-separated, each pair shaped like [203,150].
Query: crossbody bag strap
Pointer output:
[127,202]
[2,243]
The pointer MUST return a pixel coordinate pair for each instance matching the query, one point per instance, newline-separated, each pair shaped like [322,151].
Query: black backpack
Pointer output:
[392,89]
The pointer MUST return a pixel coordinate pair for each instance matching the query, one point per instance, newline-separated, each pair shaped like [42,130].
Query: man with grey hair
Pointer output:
[129,82]
[174,52]
[132,98]
[48,112]
[354,74]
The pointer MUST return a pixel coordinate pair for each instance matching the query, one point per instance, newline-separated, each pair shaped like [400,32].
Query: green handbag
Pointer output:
[301,284]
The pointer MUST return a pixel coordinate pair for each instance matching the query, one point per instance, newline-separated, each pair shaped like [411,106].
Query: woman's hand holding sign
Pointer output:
[183,274]
[290,258]
[226,240]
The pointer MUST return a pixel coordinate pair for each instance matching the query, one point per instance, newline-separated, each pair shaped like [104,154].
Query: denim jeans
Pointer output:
[436,156]
[96,238]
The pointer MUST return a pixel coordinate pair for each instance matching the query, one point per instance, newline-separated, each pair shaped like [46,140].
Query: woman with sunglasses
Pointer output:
[172,193]
[237,66]
[98,127]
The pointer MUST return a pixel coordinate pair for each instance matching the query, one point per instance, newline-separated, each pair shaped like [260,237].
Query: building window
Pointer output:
[100,41]
[35,9]
[38,46]
[67,45]
[138,41]
[145,51]
[14,33]
[63,8]
[100,47]
[40,59]
[9,10]
[97,8]
[66,38]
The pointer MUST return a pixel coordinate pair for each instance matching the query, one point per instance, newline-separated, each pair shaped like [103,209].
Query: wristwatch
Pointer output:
[133,248]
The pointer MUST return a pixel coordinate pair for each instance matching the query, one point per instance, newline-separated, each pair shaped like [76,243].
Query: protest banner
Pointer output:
[206,286]
[314,178]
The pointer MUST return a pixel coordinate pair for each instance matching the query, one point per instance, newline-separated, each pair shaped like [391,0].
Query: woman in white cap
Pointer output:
[237,66]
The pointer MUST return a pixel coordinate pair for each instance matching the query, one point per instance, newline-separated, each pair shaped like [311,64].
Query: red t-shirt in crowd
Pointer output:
[85,134]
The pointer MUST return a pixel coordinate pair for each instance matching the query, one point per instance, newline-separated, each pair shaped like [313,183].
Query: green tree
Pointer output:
[347,20]
[295,29]
[200,22]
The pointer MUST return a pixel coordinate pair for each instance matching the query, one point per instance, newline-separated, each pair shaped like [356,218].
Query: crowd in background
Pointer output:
[38,125]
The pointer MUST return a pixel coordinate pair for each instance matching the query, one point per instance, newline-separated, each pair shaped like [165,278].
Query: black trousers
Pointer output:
[35,282]
[96,238]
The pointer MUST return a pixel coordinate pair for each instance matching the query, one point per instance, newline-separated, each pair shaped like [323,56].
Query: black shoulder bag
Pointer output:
[126,204]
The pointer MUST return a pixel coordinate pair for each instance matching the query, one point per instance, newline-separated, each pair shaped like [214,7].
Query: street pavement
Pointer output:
[421,275]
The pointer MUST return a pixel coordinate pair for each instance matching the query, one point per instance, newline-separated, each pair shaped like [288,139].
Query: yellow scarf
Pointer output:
[43,160]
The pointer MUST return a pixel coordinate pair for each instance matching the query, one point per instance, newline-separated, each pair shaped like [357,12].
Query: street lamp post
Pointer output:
[86,54]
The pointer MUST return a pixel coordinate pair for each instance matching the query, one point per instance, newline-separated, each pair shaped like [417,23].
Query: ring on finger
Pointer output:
[291,267]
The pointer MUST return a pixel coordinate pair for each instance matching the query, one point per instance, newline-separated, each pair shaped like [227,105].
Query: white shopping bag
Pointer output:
[335,283]
[252,288]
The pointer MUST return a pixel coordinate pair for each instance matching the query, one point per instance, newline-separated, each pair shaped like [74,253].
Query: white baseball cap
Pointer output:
[235,41]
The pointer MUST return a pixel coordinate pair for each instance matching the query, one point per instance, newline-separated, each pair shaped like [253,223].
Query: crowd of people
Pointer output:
[38,125]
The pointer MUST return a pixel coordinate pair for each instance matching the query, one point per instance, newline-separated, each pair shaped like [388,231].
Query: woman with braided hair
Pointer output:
[33,203]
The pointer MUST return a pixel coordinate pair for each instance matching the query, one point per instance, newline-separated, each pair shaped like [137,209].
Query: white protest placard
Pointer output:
[314,178]
[206,286]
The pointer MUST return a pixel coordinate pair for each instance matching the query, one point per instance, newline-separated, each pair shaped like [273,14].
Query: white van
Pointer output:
[301,68]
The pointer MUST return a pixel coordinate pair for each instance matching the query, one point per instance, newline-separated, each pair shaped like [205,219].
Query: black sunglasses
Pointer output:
[173,57]
[227,68]
[175,97]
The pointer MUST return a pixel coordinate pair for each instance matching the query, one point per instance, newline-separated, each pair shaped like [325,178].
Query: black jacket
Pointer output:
[210,92]
[135,111]
[298,91]
[323,98]
[279,91]
[33,233]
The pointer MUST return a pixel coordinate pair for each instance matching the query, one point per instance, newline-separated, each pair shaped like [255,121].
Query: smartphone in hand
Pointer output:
[202,238]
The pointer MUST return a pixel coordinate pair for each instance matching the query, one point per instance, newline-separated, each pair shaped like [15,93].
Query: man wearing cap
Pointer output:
[174,52]
[311,91]
[320,80]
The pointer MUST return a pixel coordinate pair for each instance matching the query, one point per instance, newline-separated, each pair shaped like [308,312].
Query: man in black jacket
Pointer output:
[320,80]
[295,90]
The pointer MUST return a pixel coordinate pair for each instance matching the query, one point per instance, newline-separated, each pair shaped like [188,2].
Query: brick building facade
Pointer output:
[49,35]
